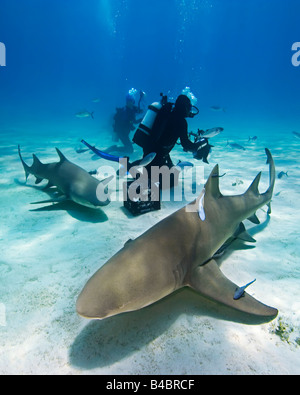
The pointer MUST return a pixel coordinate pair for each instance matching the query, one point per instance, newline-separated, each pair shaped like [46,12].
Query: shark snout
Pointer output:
[88,307]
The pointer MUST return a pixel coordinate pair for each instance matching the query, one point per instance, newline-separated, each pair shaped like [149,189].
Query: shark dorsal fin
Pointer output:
[212,184]
[36,161]
[61,155]
[254,186]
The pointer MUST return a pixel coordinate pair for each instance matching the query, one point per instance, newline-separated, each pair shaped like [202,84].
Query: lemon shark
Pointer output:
[73,182]
[179,252]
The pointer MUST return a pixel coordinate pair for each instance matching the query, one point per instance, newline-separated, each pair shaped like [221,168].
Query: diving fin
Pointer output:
[102,154]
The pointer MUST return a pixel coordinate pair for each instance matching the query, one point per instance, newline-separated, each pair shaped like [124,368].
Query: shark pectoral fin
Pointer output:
[54,200]
[254,219]
[242,234]
[38,180]
[209,281]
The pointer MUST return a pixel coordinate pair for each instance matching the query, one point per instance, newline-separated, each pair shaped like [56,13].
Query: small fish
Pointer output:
[252,138]
[217,108]
[96,100]
[147,159]
[81,150]
[282,173]
[237,182]
[84,114]
[208,134]
[236,146]
[297,134]
[239,292]
[184,164]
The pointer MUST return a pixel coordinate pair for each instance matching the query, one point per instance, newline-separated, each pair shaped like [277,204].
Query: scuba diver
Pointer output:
[124,122]
[164,133]
[163,124]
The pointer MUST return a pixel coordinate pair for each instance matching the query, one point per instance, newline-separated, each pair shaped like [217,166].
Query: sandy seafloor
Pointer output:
[47,257]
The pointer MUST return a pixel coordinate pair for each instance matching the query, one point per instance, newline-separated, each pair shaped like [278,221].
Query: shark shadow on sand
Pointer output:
[102,343]
[76,211]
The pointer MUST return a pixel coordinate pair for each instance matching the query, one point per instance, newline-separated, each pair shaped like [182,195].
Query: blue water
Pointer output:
[61,55]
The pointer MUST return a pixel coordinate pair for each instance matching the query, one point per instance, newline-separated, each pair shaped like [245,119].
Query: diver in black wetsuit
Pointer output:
[124,123]
[164,137]
[176,128]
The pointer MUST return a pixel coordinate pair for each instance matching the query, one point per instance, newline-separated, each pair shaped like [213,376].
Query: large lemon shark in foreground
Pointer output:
[179,252]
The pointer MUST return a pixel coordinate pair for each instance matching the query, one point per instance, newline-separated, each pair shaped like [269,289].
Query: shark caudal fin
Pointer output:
[27,169]
[272,177]
[209,281]
[267,196]
[35,169]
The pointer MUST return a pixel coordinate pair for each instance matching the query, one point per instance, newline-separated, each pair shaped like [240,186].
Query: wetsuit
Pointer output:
[124,121]
[176,128]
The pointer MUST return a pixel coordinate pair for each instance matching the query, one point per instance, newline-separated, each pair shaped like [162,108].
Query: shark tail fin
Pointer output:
[272,176]
[209,281]
[27,169]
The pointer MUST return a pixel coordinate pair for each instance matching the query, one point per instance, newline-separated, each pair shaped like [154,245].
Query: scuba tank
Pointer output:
[153,123]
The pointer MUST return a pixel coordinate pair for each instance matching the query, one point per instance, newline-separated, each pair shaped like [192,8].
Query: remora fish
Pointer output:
[72,181]
[241,291]
[178,252]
